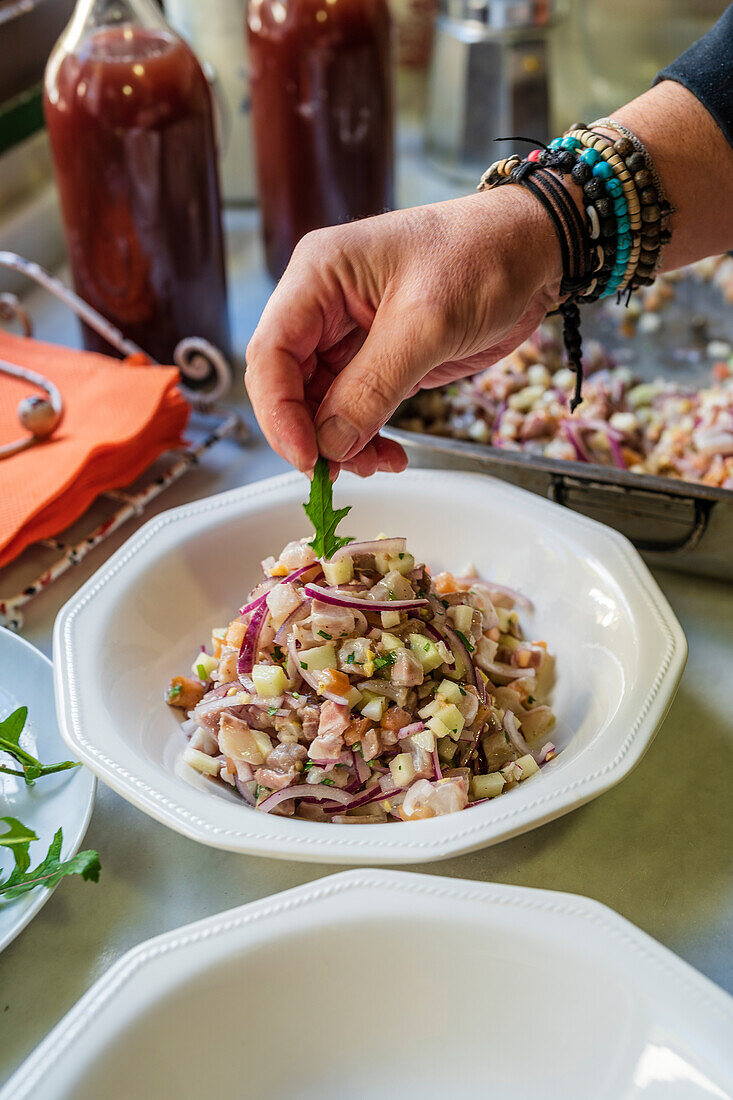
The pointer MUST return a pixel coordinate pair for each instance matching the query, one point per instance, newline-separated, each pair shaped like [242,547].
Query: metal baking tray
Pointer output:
[678,524]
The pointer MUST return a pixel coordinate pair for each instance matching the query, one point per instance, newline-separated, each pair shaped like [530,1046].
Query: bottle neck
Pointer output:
[89,15]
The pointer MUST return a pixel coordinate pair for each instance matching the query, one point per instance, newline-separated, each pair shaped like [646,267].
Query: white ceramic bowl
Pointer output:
[380,983]
[620,651]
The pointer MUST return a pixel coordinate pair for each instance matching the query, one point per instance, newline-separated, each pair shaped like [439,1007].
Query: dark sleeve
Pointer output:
[706,69]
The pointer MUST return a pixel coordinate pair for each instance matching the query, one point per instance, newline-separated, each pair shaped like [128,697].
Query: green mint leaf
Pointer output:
[50,871]
[323,516]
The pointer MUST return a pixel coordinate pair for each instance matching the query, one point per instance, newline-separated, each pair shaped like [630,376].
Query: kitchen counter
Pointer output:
[658,848]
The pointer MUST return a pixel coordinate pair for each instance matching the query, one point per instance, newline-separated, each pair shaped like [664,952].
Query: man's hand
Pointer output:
[367,313]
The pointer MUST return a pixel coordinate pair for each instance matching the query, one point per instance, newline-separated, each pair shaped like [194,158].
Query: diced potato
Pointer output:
[487,786]
[447,749]
[203,666]
[263,742]
[463,618]
[452,718]
[439,728]
[450,692]
[402,769]
[426,652]
[507,619]
[432,708]
[529,766]
[205,765]
[339,572]
[270,680]
[424,739]
[354,698]
[390,619]
[374,707]
[389,641]
[318,658]
[401,563]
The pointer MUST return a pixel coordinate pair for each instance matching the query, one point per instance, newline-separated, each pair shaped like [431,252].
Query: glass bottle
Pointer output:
[130,119]
[322,115]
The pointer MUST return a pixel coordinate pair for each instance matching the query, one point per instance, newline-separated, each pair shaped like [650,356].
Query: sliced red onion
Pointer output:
[326,595]
[461,650]
[516,737]
[189,727]
[244,791]
[340,699]
[407,731]
[281,580]
[436,764]
[305,790]
[437,635]
[302,611]
[295,663]
[573,435]
[373,794]
[546,751]
[374,546]
[251,640]
[362,769]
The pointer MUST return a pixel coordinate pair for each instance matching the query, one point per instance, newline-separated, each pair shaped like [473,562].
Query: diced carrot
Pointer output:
[543,644]
[721,371]
[334,681]
[445,583]
[523,657]
[420,813]
[235,633]
[184,692]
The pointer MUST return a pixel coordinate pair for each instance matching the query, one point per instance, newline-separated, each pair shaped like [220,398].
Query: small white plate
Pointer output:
[369,984]
[64,800]
[619,651]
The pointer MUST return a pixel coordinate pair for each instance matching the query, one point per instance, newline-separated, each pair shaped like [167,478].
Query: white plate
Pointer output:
[63,800]
[620,651]
[380,983]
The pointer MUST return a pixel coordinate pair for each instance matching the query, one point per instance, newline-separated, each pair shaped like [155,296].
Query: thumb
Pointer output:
[400,349]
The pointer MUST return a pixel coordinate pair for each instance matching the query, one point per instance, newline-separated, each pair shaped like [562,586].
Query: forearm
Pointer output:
[695,164]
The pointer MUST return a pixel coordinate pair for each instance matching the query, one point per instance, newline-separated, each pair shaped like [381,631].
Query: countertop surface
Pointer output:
[658,848]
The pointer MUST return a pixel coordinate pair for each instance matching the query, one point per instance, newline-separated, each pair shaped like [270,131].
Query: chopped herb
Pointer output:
[174,692]
[327,783]
[271,711]
[258,792]
[506,738]
[390,594]
[356,747]
[530,698]
[445,604]
[400,556]
[303,664]
[427,647]
[381,662]
[278,654]
[321,513]
[307,767]
[465,641]
[350,659]
[202,673]
[453,391]
[461,690]
[323,634]
[295,694]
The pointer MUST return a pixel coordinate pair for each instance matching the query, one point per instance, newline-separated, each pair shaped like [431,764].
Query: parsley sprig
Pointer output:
[18,838]
[323,516]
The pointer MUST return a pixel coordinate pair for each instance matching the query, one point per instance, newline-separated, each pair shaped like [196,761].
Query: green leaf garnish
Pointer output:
[323,516]
[10,731]
[465,641]
[51,870]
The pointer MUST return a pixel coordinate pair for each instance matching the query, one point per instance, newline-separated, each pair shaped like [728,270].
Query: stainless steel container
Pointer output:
[679,524]
[488,79]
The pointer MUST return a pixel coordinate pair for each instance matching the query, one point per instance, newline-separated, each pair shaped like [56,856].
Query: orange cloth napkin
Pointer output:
[118,419]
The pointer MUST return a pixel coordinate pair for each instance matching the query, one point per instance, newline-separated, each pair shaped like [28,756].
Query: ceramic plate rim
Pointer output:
[44,895]
[332,845]
[709,999]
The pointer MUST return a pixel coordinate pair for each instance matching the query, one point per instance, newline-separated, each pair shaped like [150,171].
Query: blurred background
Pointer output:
[464,72]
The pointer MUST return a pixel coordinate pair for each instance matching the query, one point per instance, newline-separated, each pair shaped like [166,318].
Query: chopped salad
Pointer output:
[356,687]
[522,403]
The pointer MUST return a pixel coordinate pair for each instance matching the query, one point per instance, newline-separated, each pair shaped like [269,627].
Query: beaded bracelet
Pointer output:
[607,167]
[655,233]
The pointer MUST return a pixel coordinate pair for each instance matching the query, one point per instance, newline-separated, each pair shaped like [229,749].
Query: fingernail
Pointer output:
[336,437]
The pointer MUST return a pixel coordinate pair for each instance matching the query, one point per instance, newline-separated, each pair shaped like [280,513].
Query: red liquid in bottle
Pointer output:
[130,121]
[322,114]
